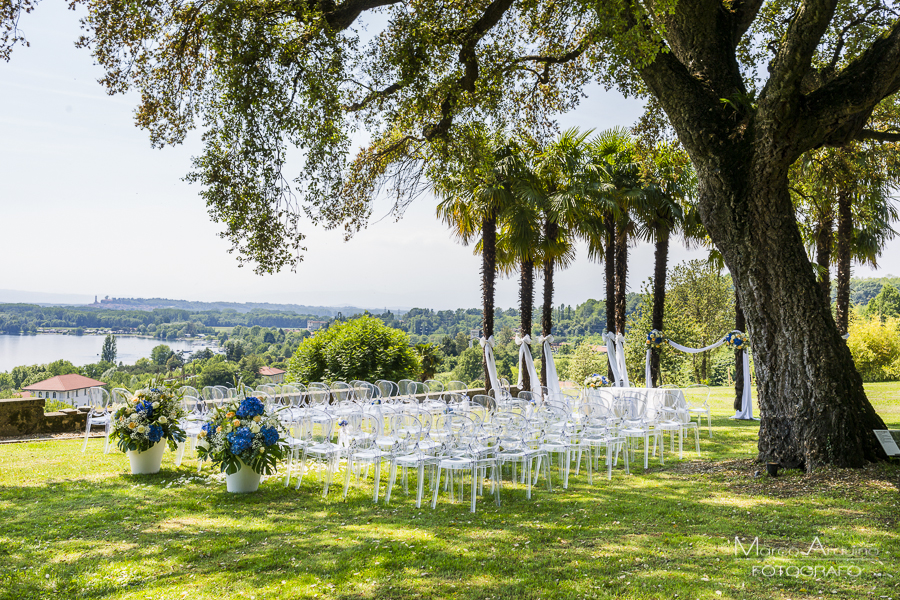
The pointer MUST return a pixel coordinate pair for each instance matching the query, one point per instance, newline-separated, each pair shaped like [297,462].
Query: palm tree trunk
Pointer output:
[741,325]
[844,236]
[609,258]
[621,277]
[550,231]
[661,257]
[824,241]
[488,272]
[526,304]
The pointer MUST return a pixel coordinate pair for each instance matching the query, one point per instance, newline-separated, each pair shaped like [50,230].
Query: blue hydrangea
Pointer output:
[145,408]
[155,434]
[249,408]
[270,435]
[209,428]
[240,440]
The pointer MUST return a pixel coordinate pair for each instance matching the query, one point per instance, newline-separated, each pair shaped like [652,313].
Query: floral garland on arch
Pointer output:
[737,340]
[242,431]
[656,339]
[595,381]
[151,417]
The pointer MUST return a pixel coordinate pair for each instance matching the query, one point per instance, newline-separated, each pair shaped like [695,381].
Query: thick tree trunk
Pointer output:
[844,237]
[741,325]
[824,243]
[526,304]
[488,272]
[609,259]
[661,257]
[811,400]
[621,277]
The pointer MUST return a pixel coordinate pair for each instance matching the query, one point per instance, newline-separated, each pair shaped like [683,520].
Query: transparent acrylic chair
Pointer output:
[316,437]
[467,452]
[412,450]
[99,414]
[697,399]
[361,435]
[520,445]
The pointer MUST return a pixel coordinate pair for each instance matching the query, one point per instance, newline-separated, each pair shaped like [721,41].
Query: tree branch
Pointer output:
[744,12]
[878,136]
[491,16]
[374,95]
[837,111]
[794,57]
[342,16]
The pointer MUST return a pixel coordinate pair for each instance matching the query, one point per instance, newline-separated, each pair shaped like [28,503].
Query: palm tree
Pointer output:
[475,187]
[669,186]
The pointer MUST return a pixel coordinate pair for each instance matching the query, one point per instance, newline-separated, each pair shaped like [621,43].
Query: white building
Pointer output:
[72,389]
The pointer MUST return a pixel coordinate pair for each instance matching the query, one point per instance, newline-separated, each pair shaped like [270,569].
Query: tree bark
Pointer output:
[741,325]
[824,243]
[661,257]
[488,272]
[621,277]
[609,259]
[526,304]
[844,238]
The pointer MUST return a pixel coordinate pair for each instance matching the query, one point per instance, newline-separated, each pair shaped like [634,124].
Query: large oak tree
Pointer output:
[747,85]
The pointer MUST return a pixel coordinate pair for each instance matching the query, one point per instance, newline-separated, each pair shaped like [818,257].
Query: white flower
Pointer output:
[254,427]
[155,405]
[163,420]
[141,429]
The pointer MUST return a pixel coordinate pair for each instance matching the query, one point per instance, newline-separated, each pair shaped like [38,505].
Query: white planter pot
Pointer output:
[149,461]
[245,480]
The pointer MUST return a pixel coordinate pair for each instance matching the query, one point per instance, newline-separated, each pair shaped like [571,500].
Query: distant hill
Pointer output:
[865,288]
[192,305]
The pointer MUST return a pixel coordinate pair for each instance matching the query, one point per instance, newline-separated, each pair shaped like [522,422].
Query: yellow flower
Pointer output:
[132,425]
[202,433]
[257,418]
[219,429]
[230,414]
[236,423]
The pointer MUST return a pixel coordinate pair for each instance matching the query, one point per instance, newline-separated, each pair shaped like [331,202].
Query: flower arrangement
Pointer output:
[655,339]
[595,381]
[151,416]
[241,431]
[737,340]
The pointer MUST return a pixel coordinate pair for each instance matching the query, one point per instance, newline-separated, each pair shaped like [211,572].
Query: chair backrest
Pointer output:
[365,391]
[433,387]
[485,402]
[529,397]
[341,391]
[387,389]
[696,394]
[291,395]
[635,406]
[99,399]
[403,387]
[223,392]
[317,395]
[315,427]
[189,391]
[362,429]
[121,396]
[456,386]
[209,393]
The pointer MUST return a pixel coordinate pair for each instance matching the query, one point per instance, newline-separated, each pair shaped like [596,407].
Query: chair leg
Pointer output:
[437,488]
[87,432]
[474,479]
[420,484]
[377,479]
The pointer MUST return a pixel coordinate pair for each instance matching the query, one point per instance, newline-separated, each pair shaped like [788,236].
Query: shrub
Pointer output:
[875,346]
[361,348]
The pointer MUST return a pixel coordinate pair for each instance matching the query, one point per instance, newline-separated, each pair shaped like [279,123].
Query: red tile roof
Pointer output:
[64,383]
[269,371]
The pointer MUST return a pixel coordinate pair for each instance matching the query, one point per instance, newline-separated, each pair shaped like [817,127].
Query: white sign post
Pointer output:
[888,439]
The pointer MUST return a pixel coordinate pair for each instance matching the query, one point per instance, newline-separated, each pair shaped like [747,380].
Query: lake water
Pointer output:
[16,350]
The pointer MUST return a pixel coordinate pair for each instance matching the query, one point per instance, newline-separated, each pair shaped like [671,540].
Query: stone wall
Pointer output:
[26,416]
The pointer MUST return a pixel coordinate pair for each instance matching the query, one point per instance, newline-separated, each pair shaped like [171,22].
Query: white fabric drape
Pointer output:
[746,411]
[488,345]
[527,362]
[611,357]
[615,353]
[552,376]
[620,358]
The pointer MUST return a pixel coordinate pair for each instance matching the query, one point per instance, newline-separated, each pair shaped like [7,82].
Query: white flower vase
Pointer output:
[244,481]
[148,461]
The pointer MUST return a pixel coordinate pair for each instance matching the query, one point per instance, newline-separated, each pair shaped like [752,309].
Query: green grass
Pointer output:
[79,526]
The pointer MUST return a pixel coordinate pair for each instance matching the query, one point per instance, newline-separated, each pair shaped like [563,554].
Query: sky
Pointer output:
[89,208]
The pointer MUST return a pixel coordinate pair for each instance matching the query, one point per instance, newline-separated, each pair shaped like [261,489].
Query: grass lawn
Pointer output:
[79,526]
